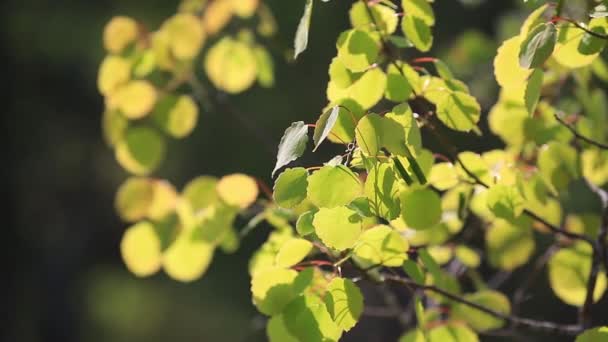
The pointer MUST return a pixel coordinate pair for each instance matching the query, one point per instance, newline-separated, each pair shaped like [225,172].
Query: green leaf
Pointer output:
[177,116]
[509,74]
[452,332]
[385,18]
[459,111]
[509,245]
[324,126]
[357,50]
[538,46]
[443,176]
[292,252]
[467,256]
[398,87]
[381,245]
[301,40]
[187,258]
[292,145]
[418,32]
[277,330]
[290,187]
[200,192]
[304,224]
[231,65]
[569,271]
[419,8]
[339,228]
[567,52]
[307,319]
[478,320]
[593,335]
[364,89]
[420,208]
[414,271]
[273,289]
[505,201]
[333,186]
[443,69]
[344,302]
[382,190]
[558,165]
[265,67]
[533,88]
[142,150]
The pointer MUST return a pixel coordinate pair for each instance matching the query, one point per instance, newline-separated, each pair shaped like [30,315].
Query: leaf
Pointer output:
[292,145]
[333,186]
[119,33]
[301,40]
[339,228]
[421,9]
[381,245]
[538,46]
[420,208]
[231,65]
[478,320]
[365,90]
[459,111]
[304,224]
[593,335]
[201,192]
[567,54]
[414,271]
[292,252]
[307,319]
[418,32]
[344,302]
[385,18]
[290,187]
[590,44]
[187,259]
[176,116]
[273,289]
[467,256]
[599,11]
[510,245]
[357,50]
[505,201]
[238,190]
[141,249]
[533,88]
[569,271]
[509,74]
[141,151]
[382,190]
[324,126]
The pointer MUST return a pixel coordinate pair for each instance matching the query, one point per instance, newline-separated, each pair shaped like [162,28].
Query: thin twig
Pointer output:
[515,321]
[578,25]
[578,135]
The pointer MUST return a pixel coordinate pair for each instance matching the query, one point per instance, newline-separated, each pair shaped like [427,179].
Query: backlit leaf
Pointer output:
[292,145]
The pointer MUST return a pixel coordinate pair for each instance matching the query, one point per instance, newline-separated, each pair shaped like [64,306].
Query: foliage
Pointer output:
[387,210]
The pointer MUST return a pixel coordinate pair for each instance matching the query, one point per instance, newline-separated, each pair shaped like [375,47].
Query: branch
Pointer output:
[578,135]
[599,255]
[515,321]
[578,25]
[555,229]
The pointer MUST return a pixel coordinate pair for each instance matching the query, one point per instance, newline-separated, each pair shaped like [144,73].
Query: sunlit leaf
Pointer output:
[177,116]
[344,302]
[142,150]
[538,46]
[301,39]
[187,259]
[292,145]
[231,65]
[290,187]
[141,249]
[338,228]
[324,125]
[292,252]
[333,186]
[238,190]
[478,320]
[119,32]
[381,245]
[420,208]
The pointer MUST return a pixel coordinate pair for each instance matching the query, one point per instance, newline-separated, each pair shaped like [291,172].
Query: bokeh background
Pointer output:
[63,278]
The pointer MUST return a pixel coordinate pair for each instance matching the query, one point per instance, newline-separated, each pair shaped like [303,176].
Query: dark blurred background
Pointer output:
[63,277]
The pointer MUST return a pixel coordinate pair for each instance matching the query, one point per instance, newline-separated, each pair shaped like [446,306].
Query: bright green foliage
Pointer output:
[292,252]
[357,50]
[290,187]
[339,228]
[420,208]
[509,245]
[459,111]
[333,186]
[505,201]
[381,245]
[344,302]
[478,320]
[568,274]
[386,201]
